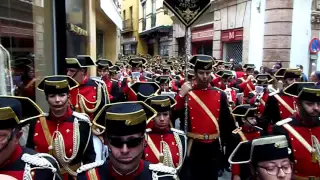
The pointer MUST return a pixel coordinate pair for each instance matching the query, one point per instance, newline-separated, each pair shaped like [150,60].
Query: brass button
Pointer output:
[35,147]
[192,117]
[295,161]
[38,121]
[95,88]
[70,150]
[147,155]
[291,139]
[172,143]
[280,112]
[177,154]
[193,127]
[190,107]
[294,150]
[189,99]
[94,96]
[32,173]
[35,134]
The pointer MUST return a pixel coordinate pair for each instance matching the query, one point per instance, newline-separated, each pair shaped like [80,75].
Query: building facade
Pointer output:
[155,27]
[131,43]
[36,36]
[256,31]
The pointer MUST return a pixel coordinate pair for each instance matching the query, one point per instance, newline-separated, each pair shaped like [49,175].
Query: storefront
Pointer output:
[129,46]
[26,38]
[202,39]
[232,44]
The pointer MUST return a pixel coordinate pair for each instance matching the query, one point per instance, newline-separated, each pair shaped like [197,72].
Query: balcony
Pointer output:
[153,20]
[144,24]
[127,26]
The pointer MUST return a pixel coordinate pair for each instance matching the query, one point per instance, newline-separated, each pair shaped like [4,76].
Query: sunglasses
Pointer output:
[131,143]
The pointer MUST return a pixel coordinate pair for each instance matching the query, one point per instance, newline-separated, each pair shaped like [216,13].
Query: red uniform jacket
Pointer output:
[276,111]
[167,136]
[89,97]
[199,121]
[304,165]
[65,125]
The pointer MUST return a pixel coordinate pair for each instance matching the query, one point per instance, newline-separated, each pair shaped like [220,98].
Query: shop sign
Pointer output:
[202,35]
[128,40]
[77,30]
[232,35]
[187,11]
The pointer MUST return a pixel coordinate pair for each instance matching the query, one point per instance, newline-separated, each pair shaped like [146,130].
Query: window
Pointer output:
[233,51]
[99,44]
[124,14]
[129,49]
[154,6]
[164,49]
[144,16]
[130,11]
[144,10]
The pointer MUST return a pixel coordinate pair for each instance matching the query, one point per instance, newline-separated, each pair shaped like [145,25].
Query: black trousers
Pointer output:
[204,160]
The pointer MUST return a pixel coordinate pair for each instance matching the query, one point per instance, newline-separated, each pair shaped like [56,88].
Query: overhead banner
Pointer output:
[187,11]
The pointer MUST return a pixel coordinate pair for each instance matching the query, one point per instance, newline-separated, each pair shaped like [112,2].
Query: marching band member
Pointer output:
[126,125]
[303,130]
[91,94]
[209,120]
[280,105]
[16,161]
[246,117]
[261,92]
[164,83]
[103,69]
[165,145]
[63,133]
[267,158]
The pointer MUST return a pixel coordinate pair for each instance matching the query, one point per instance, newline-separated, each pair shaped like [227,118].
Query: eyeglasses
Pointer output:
[274,170]
[131,143]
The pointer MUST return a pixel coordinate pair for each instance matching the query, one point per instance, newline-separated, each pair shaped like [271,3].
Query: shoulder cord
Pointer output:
[60,150]
[180,148]
[155,176]
[39,163]
[83,101]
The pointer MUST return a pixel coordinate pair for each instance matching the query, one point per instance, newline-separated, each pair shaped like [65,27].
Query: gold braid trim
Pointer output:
[180,148]
[167,160]
[92,174]
[97,103]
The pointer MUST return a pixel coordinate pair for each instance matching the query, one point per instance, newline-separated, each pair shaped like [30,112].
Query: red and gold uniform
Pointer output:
[89,97]
[246,132]
[23,163]
[137,113]
[306,164]
[209,118]
[303,134]
[69,137]
[169,144]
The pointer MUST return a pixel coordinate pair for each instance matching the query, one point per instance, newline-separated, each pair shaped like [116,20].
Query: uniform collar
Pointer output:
[14,157]
[131,176]
[85,80]
[61,118]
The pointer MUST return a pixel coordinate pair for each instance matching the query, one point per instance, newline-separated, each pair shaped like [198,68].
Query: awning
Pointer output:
[158,29]
[111,11]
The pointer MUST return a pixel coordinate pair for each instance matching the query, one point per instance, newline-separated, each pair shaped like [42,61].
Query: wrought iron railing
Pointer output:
[127,25]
